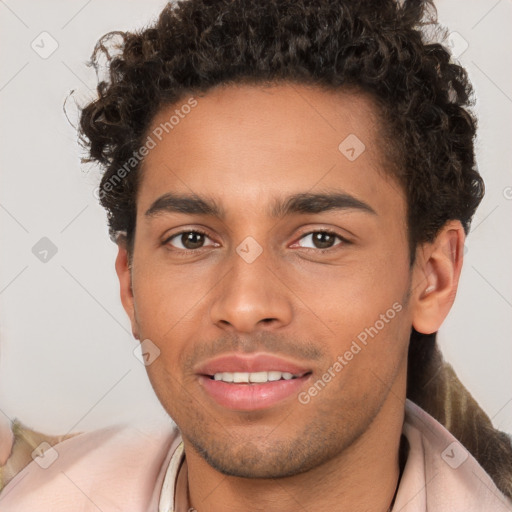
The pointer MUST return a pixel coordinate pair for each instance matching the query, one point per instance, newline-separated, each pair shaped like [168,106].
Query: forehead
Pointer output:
[246,145]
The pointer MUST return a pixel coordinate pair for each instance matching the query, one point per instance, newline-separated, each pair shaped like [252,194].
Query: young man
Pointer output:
[289,185]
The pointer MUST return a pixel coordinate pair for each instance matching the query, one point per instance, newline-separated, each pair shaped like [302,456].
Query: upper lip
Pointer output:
[249,363]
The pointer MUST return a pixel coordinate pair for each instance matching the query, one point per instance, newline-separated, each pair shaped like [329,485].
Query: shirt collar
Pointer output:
[168,492]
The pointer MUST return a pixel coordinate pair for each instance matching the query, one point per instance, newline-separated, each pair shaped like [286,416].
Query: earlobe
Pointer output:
[436,277]
[123,271]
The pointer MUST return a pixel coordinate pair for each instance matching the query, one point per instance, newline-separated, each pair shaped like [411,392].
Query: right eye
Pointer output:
[190,240]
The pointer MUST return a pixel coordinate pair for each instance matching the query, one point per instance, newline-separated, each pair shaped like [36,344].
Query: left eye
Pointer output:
[323,238]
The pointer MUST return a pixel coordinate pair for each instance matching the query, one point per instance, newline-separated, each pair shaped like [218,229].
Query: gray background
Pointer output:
[66,351]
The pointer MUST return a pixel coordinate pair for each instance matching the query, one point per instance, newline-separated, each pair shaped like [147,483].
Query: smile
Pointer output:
[254,377]
[251,382]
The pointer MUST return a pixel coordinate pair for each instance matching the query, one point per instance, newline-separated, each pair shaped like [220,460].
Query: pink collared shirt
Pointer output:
[124,469]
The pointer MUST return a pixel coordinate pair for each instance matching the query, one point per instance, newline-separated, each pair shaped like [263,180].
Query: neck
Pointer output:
[363,477]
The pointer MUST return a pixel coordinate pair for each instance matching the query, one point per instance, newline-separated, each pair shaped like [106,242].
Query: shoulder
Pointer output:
[441,472]
[103,469]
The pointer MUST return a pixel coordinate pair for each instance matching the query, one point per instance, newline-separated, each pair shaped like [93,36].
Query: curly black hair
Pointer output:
[378,47]
[384,49]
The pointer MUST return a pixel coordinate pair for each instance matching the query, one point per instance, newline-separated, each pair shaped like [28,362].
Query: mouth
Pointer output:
[253,377]
[250,383]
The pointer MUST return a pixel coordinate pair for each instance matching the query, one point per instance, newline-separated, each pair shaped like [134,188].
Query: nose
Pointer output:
[252,295]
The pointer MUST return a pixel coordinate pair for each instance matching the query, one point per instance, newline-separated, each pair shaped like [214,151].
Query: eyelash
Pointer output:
[186,252]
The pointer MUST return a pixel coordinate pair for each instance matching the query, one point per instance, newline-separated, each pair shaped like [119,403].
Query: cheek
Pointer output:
[166,299]
[365,308]
[355,296]
[175,395]
[368,342]
[364,356]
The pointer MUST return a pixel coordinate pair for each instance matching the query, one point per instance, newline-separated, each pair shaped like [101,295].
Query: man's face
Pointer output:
[261,293]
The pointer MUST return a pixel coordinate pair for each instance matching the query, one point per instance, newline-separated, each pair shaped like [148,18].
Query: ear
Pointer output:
[123,270]
[436,277]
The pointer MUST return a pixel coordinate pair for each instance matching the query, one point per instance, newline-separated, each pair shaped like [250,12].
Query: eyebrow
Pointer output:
[301,203]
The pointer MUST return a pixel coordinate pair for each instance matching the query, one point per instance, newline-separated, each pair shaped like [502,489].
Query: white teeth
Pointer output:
[254,377]
[240,377]
[226,377]
[274,376]
[258,377]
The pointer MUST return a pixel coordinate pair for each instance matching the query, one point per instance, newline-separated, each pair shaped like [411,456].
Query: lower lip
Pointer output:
[251,397]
